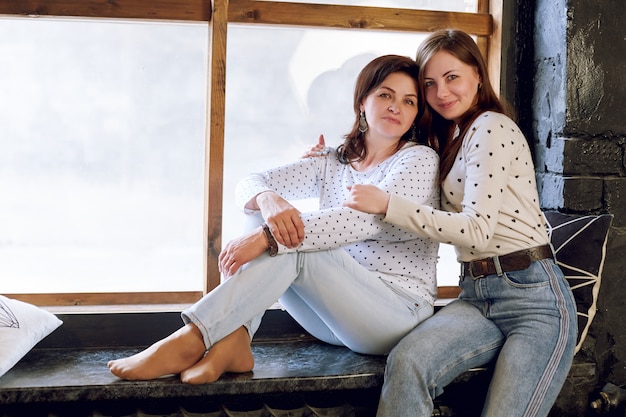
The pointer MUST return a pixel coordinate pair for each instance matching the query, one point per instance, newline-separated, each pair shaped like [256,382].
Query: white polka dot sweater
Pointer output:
[490,196]
[402,258]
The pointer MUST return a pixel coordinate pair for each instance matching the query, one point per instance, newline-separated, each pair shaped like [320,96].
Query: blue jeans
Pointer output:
[330,294]
[525,321]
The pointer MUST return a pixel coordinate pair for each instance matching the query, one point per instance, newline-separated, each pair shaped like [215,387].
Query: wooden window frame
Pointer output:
[485,25]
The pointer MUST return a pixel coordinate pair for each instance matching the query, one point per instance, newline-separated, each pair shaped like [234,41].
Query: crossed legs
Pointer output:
[183,352]
[214,341]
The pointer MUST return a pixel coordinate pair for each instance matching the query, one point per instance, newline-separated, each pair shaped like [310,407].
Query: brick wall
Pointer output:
[570,91]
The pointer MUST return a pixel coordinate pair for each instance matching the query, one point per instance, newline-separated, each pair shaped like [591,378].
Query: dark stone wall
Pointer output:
[565,73]
[596,73]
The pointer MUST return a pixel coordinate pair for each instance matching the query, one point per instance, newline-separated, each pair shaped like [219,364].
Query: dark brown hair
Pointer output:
[438,130]
[371,76]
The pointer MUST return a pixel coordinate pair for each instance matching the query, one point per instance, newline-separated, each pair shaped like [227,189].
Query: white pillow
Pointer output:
[22,326]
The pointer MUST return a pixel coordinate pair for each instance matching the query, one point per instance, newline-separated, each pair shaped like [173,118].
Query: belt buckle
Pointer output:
[483,264]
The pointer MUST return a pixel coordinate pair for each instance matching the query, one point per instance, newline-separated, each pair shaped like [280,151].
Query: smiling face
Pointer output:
[391,107]
[450,85]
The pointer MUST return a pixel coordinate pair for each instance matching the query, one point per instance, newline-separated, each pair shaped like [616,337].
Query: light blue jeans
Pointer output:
[330,294]
[525,321]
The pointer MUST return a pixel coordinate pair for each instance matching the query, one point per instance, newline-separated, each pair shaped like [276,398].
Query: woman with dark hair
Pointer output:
[515,308]
[348,278]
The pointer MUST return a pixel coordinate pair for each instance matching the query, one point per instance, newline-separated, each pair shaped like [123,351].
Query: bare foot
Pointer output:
[231,354]
[171,355]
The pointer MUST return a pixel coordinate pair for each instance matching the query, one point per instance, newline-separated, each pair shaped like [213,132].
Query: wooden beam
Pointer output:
[216,83]
[448,292]
[494,51]
[112,298]
[483,41]
[355,17]
[195,10]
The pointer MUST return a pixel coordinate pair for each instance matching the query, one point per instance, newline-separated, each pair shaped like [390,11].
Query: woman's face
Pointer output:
[451,86]
[391,108]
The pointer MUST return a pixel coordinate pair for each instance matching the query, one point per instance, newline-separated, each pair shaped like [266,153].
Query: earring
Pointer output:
[362,122]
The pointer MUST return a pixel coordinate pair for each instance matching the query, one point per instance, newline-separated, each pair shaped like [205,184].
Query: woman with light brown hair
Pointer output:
[515,308]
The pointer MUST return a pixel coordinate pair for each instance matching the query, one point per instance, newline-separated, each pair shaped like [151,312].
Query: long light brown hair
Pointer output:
[438,130]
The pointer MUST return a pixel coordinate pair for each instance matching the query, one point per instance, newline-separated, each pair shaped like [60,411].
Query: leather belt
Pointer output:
[514,261]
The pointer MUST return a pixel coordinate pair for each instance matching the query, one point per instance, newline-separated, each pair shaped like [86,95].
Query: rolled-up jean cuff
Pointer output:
[187,319]
[251,327]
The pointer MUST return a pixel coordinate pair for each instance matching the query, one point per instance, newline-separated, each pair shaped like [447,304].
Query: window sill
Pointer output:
[70,367]
[116,309]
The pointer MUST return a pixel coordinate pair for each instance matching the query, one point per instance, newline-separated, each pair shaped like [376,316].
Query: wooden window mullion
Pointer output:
[215,140]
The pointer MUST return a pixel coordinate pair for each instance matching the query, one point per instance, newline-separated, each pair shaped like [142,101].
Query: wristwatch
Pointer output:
[272,249]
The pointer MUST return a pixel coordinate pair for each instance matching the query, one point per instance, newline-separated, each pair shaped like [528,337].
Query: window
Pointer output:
[138,194]
[103,156]
[284,87]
